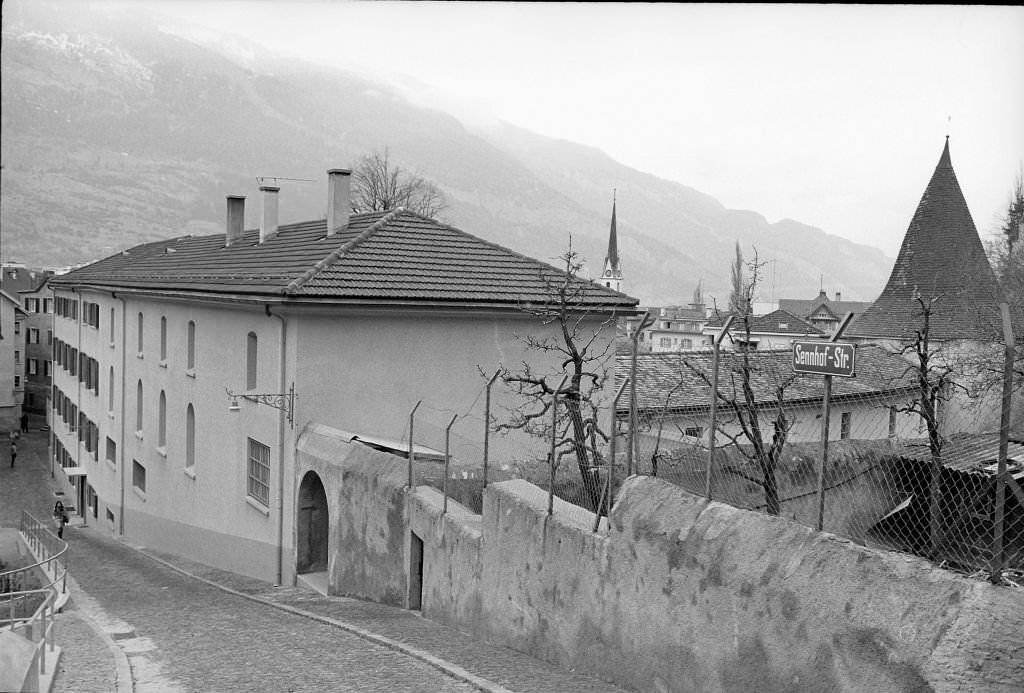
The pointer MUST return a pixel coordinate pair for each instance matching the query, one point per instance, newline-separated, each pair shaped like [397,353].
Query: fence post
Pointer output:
[554,434]
[717,350]
[412,455]
[447,458]
[607,495]
[487,422]
[996,569]
[826,410]
[634,450]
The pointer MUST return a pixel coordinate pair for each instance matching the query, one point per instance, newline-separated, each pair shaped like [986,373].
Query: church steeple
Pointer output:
[612,275]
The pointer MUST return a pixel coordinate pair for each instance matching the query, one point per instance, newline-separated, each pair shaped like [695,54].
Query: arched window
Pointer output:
[140,333]
[162,434]
[138,408]
[110,390]
[190,437]
[251,349]
[191,344]
[163,338]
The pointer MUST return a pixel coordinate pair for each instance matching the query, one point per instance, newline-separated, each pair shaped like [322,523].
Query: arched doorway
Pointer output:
[312,526]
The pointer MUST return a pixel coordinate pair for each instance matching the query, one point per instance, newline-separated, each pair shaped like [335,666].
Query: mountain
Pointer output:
[118,129]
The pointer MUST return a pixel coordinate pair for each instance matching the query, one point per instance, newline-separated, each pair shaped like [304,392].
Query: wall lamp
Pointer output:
[285,402]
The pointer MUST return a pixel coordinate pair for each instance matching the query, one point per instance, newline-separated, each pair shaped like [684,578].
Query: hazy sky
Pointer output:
[833,115]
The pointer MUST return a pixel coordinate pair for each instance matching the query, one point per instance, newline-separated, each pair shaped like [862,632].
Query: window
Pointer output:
[46,369]
[49,337]
[33,335]
[110,391]
[91,314]
[140,335]
[17,358]
[259,472]
[47,305]
[138,476]
[191,344]
[251,349]
[687,343]
[693,431]
[665,342]
[33,366]
[111,451]
[190,438]
[892,422]
[17,381]
[111,324]
[162,430]
[844,425]
[17,327]
[138,409]
[163,338]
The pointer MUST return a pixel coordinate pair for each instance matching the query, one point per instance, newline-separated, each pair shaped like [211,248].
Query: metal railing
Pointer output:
[38,626]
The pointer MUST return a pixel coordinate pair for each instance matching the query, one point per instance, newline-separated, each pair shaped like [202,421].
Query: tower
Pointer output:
[612,275]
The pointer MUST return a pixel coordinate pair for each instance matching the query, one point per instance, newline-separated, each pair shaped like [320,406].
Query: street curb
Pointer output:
[123,681]
[442,665]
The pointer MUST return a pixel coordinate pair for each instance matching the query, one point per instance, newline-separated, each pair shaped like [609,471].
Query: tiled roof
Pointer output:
[381,256]
[776,322]
[672,377]
[941,258]
[807,308]
[976,453]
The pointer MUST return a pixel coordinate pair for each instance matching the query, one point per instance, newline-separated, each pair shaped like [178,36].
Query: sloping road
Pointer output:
[183,635]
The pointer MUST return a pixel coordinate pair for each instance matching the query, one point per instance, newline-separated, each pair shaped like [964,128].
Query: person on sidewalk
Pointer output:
[24,423]
[14,453]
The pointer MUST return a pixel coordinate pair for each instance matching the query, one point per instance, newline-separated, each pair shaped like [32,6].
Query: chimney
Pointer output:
[236,219]
[839,296]
[268,222]
[339,186]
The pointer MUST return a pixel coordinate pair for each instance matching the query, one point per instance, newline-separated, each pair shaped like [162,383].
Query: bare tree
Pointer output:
[378,185]
[582,350]
[743,388]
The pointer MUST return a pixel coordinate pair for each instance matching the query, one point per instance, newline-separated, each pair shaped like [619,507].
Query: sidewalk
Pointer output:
[486,667]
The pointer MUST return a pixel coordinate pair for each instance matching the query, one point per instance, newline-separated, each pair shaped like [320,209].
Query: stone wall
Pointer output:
[675,593]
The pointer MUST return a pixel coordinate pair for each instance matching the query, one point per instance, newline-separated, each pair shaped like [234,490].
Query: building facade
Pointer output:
[12,361]
[187,369]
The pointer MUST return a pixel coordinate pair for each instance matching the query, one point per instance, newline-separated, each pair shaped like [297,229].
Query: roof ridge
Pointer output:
[338,252]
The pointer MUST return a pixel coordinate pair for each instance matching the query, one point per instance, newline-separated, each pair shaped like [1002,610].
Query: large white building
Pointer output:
[346,322]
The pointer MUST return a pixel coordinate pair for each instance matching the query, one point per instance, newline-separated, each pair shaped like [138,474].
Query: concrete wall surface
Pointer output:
[685,595]
[366,499]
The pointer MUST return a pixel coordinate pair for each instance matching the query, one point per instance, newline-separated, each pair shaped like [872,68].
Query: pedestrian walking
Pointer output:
[14,453]
[60,517]
[24,423]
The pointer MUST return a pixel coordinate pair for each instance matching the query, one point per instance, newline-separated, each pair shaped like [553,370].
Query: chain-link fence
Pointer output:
[911,460]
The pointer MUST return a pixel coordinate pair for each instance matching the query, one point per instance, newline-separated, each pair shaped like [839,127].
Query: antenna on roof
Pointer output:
[261,179]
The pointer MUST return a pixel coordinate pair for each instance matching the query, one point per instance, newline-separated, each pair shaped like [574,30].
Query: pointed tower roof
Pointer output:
[612,258]
[941,260]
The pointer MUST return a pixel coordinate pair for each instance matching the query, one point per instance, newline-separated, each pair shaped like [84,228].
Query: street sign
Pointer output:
[825,358]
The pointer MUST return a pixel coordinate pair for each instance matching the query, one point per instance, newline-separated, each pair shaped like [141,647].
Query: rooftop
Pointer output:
[777,322]
[941,263]
[672,380]
[381,256]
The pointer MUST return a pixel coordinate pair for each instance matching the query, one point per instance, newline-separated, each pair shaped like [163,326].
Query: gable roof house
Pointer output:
[823,312]
[187,370]
[775,330]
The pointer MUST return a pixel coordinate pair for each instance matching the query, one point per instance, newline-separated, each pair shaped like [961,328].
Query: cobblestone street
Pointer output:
[151,622]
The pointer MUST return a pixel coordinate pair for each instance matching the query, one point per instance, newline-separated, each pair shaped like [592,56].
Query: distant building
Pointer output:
[670,387]
[674,328]
[188,369]
[12,361]
[776,330]
[31,286]
[823,312]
